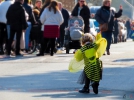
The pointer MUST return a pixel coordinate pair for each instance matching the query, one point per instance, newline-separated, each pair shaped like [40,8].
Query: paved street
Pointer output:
[48,78]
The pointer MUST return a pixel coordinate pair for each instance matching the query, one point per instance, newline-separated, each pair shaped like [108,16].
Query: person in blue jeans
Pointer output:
[107,15]
[31,21]
[27,36]
[128,26]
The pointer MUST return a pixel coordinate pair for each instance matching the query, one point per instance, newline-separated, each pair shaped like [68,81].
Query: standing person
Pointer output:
[17,21]
[128,26]
[116,30]
[81,9]
[30,21]
[31,4]
[51,20]
[37,9]
[46,4]
[92,68]
[132,29]
[36,29]
[38,5]
[105,15]
[65,15]
[3,23]
[121,27]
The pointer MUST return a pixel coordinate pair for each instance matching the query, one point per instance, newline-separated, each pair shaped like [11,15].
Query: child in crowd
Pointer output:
[76,31]
[76,24]
[132,25]
[132,31]
[92,71]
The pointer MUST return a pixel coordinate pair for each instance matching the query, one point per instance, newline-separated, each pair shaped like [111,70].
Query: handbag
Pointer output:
[104,27]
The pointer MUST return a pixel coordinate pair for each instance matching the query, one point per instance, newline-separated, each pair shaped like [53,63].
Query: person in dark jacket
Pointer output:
[128,26]
[37,9]
[81,9]
[103,16]
[17,21]
[65,15]
[36,29]
[29,11]
[30,22]
[46,3]
[116,31]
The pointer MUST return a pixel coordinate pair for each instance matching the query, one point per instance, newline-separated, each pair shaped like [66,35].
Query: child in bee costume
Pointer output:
[92,72]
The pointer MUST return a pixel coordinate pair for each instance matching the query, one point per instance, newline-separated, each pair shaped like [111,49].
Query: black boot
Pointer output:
[95,87]
[84,90]
[52,53]
[40,54]
[1,52]
[108,52]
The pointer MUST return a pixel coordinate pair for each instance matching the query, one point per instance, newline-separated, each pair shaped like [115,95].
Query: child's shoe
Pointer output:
[95,87]
[84,90]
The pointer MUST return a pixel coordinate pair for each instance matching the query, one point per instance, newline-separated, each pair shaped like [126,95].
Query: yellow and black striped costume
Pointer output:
[92,69]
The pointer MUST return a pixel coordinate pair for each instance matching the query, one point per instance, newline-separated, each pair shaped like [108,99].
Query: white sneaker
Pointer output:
[62,48]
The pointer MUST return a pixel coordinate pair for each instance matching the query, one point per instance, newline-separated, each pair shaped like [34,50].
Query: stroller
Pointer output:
[73,33]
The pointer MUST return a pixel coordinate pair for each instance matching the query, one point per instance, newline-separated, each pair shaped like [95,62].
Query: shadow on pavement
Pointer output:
[76,95]
[124,60]
[17,58]
[116,82]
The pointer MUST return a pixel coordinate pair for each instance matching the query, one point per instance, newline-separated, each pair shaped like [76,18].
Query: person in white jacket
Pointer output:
[51,20]
[3,21]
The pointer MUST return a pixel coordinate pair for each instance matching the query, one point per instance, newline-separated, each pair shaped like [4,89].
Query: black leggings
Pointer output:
[87,82]
[3,35]
[61,38]
[44,45]
[18,37]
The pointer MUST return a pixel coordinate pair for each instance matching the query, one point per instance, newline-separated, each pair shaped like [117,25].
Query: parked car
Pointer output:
[94,27]
[93,9]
